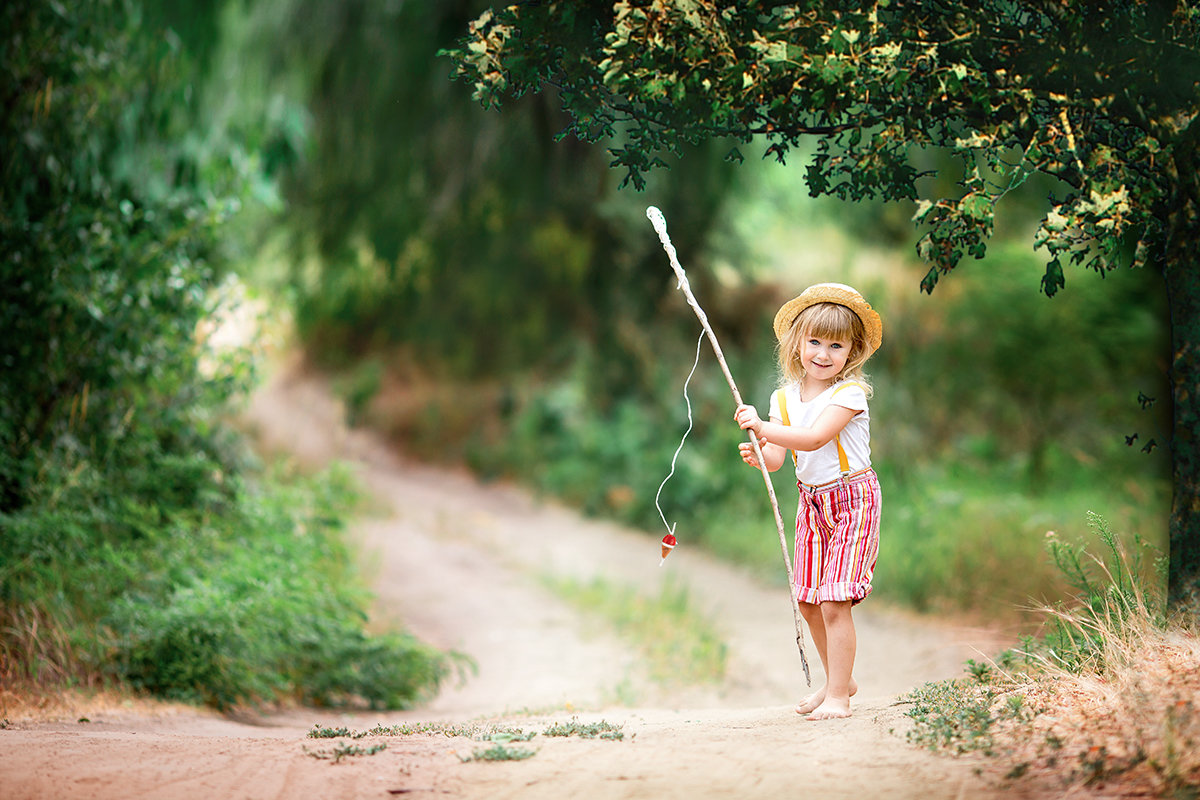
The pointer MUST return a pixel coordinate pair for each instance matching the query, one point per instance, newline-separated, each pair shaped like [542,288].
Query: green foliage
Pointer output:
[1000,83]
[1099,99]
[105,418]
[609,454]
[136,541]
[104,282]
[973,478]
[252,603]
[1044,375]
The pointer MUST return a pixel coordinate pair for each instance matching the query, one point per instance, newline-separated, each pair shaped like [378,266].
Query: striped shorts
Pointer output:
[837,539]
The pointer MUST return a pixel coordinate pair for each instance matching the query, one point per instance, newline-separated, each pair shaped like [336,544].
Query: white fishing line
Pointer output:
[671,528]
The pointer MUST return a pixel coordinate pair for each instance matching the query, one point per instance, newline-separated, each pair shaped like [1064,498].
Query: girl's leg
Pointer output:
[840,643]
[816,627]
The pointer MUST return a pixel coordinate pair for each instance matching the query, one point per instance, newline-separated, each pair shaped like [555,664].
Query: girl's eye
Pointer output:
[836,346]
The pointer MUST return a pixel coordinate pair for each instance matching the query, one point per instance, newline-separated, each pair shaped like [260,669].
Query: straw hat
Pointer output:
[838,293]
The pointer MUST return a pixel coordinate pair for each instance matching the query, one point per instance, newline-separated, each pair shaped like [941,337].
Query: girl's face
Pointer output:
[824,359]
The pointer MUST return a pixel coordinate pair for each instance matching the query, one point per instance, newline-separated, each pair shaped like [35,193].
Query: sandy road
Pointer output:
[461,564]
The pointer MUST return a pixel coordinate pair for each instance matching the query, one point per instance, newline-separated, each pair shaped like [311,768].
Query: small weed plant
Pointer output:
[499,752]
[346,750]
[586,730]
[961,715]
[319,732]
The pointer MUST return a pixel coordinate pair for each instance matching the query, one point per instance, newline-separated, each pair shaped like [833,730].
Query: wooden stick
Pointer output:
[660,226]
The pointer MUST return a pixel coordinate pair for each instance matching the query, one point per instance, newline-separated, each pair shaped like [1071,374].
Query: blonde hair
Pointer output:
[826,321]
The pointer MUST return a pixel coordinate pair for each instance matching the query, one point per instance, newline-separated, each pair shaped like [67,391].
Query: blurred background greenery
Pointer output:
[488,294]
[481,293]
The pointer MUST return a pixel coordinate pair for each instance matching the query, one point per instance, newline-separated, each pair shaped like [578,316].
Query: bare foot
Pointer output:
[815,699]
[832,708]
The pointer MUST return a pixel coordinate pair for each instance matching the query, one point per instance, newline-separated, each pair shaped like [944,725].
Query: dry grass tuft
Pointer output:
[1128,723]
[1105,705]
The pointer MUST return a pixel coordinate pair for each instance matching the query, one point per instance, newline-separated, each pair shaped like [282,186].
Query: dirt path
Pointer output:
[460,563]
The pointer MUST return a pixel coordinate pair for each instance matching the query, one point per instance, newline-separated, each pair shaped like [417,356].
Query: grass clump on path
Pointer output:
[345,750]
[499,738]
[480,733]
[499,752]
[586,730]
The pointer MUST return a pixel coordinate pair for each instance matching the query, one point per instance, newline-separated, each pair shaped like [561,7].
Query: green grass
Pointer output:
[978,541]
[586,730]
[499,752]
[680,645]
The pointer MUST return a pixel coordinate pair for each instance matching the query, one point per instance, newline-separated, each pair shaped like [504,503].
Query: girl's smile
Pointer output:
[824,359]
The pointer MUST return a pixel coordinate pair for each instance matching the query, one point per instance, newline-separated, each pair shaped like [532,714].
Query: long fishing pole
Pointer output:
[660,226]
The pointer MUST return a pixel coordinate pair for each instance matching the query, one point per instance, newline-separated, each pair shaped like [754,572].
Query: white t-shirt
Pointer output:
[822,466]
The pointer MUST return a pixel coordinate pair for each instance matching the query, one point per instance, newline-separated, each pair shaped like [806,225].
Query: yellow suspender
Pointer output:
[843,462]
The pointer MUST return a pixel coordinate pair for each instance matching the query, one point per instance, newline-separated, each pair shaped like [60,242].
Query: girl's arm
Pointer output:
[773,454]
[794,437]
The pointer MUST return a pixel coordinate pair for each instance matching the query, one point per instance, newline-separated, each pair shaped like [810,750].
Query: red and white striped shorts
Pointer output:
[837,539]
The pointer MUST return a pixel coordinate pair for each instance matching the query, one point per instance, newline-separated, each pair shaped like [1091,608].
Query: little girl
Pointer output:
[825,336]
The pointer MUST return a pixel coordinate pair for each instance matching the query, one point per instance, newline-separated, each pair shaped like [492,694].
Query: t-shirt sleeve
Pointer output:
[850,395]
[774,411]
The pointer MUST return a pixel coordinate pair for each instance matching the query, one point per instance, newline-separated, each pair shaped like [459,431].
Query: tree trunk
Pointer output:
[1182,273]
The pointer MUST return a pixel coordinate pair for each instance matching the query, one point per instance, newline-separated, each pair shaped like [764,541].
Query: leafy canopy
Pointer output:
[1101,96]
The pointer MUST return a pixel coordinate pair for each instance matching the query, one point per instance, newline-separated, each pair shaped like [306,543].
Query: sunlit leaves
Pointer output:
[1083,95]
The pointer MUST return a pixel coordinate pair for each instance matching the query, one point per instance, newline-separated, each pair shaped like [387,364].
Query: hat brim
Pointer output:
[831,293]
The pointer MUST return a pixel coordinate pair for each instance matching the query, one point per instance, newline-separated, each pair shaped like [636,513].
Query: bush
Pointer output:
[252,601]
[136,542]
